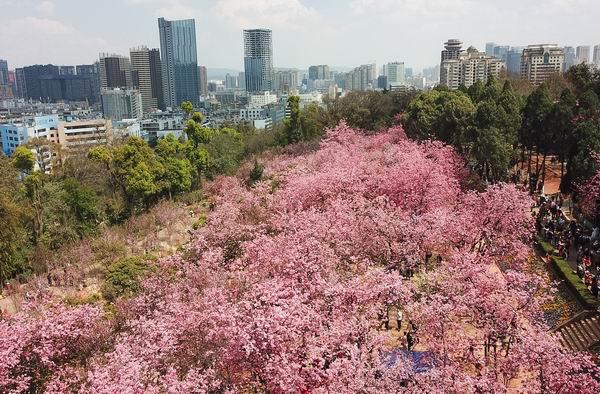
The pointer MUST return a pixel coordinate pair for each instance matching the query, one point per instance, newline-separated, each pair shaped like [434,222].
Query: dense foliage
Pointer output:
[281,289]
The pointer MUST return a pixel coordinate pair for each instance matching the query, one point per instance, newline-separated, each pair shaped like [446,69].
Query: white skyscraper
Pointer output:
[583,54]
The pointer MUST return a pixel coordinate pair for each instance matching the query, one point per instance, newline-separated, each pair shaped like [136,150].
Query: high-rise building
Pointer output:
[118,104]
[570,58]
[467,67]
[596,55]
[285,81]
[513,60]
[142,78]
[540,62]
[179,61]
[156,78]
[115,71]
[583,54]
[91,72]
[489,48]
[3,72]
[501,52]
[382,82]
[66,70]
[20,83]
[5,85]
[319,72]
[203,79]
[361,78]
[452,49]
[242,80]
[258,59]
[395,74]
[231,82]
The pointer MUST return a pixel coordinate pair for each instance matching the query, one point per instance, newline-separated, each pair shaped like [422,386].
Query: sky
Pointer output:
[335,32]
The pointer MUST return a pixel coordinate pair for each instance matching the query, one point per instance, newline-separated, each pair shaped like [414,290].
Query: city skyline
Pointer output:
[305,32]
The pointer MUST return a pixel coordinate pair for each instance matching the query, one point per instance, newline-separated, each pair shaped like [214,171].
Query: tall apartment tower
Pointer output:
[3,72]
[319,72]
[540,62]
[258,59]
[460,67]
[115,71]
[179,61]
[395,74]
[570,58]
[583,54]
[142,77]
[203,79]
[597,55]
[156,78]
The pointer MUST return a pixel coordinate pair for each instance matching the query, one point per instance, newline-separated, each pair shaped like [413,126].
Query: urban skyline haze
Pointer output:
[305,32]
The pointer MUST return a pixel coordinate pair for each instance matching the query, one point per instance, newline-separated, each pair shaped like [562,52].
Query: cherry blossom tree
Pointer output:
[283,288]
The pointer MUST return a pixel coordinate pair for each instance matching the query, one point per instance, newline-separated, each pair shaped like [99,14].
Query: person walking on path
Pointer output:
[399,317]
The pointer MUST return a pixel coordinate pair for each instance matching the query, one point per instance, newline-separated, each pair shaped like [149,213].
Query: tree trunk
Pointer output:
[543,169]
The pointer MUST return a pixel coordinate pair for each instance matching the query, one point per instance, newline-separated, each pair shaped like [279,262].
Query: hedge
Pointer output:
[563,268]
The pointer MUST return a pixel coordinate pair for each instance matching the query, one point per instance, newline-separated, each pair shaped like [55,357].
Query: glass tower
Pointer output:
[179,61]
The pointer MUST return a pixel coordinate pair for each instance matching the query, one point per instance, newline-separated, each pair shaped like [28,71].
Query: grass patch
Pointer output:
[564,269]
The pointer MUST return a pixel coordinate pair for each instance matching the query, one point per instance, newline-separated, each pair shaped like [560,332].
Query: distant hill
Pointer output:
[219,73]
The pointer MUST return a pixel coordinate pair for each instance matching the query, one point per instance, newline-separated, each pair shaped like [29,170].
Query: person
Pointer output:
[409,341]
[399,317]
[412,326]
[594,288]
[386,318]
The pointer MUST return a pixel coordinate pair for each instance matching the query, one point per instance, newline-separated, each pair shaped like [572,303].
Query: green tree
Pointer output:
[23,159]
[536,132]
[292,131]
[442,115]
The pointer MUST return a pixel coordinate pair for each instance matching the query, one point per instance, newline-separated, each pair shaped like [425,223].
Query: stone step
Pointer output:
[586,337]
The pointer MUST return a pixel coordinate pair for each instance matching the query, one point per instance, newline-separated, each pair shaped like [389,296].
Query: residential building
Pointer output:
[79,136]
[118,104]
[258,59]
[596,55]
[467,67]
[285,81]
[570,58]
[66,70]
[540,62]
[262,99]
[513,60]
[231,82]
[142,77]
[242,81]
[115,71]
[583,54]
[361,78]
[501,52]
[3,72]
[179,61]
[452,49]
[45,83]
[319,72]
[91,72]
[14,134]
[203,79]
[395,74]
[156,79]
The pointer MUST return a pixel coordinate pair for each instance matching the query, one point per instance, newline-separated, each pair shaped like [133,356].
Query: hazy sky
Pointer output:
[334,32]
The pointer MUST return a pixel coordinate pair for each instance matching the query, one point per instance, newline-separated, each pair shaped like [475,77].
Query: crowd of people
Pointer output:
[408,338]
[573,242]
